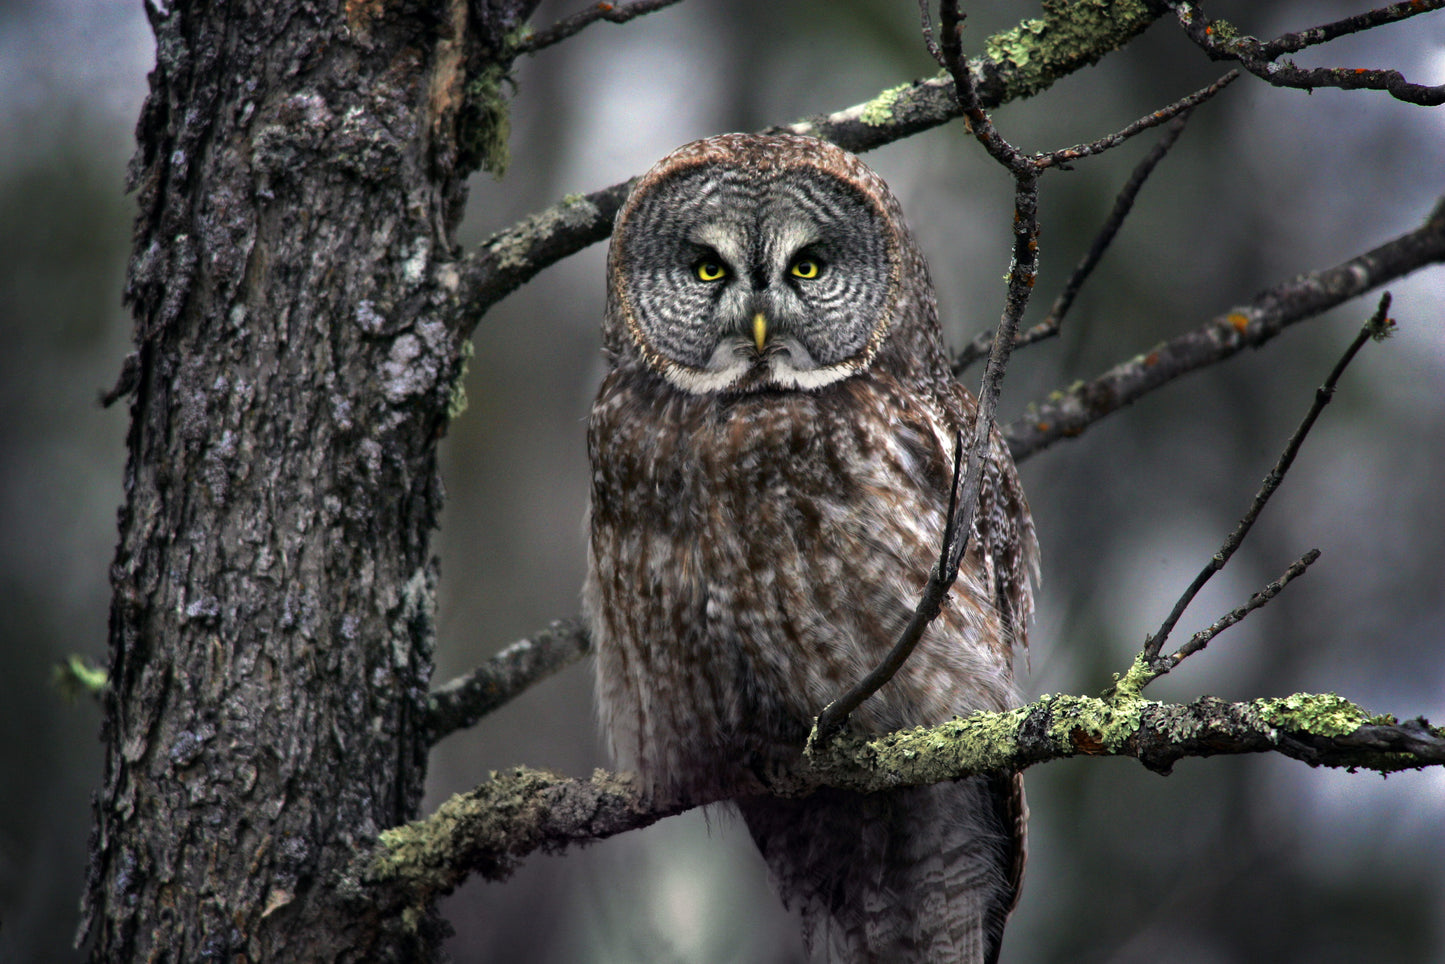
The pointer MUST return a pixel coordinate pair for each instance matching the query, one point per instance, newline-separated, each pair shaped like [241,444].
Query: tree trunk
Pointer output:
[300,172]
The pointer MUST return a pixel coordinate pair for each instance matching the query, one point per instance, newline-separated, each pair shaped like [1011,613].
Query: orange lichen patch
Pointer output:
[1240,322]
[1042,426]
[1085,742]
[448,74]
[1151,359]
[360,14]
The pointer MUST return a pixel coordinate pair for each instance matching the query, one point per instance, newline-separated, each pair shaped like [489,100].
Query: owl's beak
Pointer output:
[760,330]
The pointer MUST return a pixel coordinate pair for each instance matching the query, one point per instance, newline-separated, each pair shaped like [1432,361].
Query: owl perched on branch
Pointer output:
[772,455]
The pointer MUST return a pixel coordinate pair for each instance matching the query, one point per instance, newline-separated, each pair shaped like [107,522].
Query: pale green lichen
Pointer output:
[79,676]
[879,110]
[1131,685]
[486,122]
[1107,724]
[1323,714]
[457,403]
[485,125]
[1071,32]
[513,248]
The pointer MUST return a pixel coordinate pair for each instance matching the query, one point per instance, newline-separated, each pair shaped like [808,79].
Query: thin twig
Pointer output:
[927,27]
[1123,204]
[1221,41]
[566,27]
[1291,42]
[1202,638]
[980,124]
[1372,329]
[1064,156]
[963,496]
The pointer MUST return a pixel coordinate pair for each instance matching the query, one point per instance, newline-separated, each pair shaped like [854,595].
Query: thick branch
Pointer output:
[1249,325]
[490,829]
[1018,62]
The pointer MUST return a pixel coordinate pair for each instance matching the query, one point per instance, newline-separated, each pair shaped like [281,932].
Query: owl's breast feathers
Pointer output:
[754,555]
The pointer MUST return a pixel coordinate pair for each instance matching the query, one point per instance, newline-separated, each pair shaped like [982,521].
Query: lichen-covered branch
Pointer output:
[490,829]
[460,702]
[1068,413]
[1019,62]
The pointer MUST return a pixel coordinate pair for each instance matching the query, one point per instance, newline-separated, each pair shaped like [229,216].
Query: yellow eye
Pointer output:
[710,270]
[806,268]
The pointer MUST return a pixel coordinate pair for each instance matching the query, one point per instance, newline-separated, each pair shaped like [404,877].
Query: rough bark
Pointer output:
[299,173]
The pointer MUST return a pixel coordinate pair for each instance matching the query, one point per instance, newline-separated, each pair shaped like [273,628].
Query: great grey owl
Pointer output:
[771,459]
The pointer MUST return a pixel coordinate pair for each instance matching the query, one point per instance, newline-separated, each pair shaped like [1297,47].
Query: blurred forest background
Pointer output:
[1226,860]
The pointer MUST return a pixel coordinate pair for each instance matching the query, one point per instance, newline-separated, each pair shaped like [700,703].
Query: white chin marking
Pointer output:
[784,375]
[700,381]
[780,374]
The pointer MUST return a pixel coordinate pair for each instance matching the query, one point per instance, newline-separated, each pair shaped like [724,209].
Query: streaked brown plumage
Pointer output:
[771,459]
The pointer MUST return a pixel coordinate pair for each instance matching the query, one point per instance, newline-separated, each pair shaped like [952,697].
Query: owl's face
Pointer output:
[756,268]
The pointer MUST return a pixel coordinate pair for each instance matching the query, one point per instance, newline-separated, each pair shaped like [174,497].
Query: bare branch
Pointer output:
[461,702]
[1182,106]
[1292,42]
[1271,482]
[566,27]
[980,124]
[1068,414]
[1222,41]
[490,829]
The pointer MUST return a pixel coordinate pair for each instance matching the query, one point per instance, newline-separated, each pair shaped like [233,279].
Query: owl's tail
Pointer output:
[924,874]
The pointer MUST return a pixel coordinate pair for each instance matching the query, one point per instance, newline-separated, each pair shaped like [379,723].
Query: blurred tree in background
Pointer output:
[1226,860]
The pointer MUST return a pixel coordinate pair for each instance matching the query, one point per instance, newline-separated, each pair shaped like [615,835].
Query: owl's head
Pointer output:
[747,263]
